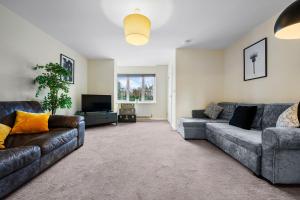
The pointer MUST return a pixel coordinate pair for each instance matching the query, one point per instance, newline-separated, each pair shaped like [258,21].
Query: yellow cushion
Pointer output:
[30,123]
[4,132]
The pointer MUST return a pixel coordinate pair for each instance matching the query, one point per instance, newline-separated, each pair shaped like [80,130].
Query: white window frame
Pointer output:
[143,90]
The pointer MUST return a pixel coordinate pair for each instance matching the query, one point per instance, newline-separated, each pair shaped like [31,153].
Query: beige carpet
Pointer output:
[148,161]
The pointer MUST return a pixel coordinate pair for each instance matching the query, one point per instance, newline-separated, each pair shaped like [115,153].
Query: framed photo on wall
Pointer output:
[255,60]
[68,64]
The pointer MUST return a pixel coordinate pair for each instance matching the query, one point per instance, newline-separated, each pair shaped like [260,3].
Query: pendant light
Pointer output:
[137,29]
[287,25]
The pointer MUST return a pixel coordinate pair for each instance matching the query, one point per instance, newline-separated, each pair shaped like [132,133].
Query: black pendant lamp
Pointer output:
[287,25]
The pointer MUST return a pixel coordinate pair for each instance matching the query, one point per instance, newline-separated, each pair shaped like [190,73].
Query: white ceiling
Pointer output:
[94,27]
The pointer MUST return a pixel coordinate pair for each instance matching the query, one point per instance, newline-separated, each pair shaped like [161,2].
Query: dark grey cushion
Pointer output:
[271,114]
[13,159]
[249,139]
[228,110]
[257,122]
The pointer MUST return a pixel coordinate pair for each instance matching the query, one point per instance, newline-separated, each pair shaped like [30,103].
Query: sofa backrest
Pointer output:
[271,114]
[257,122]
[8,110]
[228,111]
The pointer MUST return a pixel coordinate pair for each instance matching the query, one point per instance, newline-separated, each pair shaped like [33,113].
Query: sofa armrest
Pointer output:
[198,114]
[281,155]
[281,138]
[62,121]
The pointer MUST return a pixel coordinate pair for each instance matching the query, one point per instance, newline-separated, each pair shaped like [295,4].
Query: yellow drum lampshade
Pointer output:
[137,29]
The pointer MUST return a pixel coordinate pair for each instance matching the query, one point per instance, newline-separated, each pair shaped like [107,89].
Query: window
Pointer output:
[136,88]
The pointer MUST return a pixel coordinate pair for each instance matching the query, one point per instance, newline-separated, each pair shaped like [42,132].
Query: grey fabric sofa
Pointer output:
[27,155]
[270,152]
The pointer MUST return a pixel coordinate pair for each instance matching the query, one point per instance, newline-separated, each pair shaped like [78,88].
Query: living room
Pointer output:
[141,99]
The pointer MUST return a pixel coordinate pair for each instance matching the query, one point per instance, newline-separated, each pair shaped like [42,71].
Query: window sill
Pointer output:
[132,102]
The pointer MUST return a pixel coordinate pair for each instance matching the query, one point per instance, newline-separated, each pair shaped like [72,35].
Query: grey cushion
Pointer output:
[228,110]
[213,111]
[271,114]
[258,117]
[190,122]
[249,139]
[193,128]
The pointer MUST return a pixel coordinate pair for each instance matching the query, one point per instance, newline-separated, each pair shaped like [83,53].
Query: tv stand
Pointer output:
[98,118]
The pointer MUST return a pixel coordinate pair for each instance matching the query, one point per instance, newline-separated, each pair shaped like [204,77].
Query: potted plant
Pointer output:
[51,79]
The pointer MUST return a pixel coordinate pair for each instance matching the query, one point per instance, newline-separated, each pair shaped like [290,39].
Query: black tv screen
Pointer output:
[93,103]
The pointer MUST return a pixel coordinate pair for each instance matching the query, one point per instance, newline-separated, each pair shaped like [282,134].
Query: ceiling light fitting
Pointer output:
[137,29]
[287,25]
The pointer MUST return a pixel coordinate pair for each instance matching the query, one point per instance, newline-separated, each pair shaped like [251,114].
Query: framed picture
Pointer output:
[68,64]
[255,60]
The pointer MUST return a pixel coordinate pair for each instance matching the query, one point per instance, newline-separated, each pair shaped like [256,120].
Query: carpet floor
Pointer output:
[148,161]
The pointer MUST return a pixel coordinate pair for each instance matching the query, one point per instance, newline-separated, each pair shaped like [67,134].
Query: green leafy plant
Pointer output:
[51,79]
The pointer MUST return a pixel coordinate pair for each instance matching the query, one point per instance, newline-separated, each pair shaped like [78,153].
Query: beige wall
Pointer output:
[199,79]
[159,109]
[101,77]
[282,83]
[22,45]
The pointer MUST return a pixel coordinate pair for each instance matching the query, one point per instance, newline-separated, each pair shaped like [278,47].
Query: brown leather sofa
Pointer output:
[27,155]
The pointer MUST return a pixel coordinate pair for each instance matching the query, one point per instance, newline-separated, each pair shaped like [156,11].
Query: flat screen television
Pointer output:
[95,103]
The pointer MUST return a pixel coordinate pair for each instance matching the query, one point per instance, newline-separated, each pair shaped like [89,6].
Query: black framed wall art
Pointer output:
[68,64]
[255,60]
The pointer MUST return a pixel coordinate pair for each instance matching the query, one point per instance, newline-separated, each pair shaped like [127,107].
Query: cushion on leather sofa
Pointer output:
[13,159]
[249,139]
[46,141]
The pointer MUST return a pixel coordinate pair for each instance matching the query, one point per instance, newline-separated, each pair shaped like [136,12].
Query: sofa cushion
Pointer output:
[271,114]
[249,139]
[257,122]
[243,117]
[13,159]
[194,128]
[228,111]
[4,132]
[27,122]
[289,118]
[191,122]
[213,111]
[47,141]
